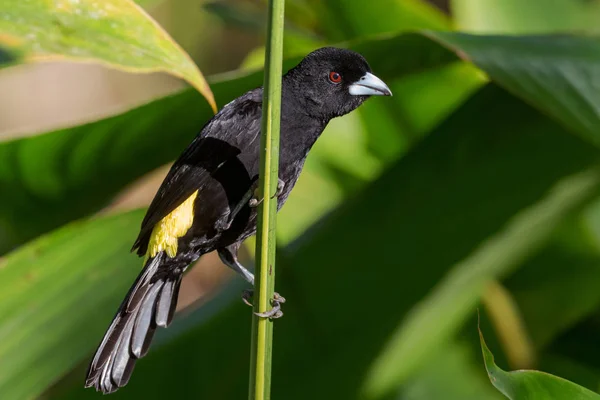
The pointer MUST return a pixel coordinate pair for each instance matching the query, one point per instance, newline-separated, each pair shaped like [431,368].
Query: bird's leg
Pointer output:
[254,201]
[229,257]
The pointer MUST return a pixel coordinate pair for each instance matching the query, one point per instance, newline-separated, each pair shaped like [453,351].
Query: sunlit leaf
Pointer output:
[117,33]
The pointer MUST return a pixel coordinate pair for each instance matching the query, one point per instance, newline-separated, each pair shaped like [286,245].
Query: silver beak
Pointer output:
[369,85]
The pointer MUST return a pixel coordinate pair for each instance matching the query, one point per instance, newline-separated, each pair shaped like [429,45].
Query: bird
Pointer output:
[207,201]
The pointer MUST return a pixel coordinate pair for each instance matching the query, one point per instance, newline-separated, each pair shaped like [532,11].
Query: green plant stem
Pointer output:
[262,328]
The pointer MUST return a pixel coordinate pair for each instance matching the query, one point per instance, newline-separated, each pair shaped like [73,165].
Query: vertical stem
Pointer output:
[262,328]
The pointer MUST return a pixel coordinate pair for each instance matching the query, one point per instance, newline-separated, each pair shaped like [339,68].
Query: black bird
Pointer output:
[206,200]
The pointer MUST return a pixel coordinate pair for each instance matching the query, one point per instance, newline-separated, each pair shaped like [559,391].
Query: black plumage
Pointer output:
[221,165]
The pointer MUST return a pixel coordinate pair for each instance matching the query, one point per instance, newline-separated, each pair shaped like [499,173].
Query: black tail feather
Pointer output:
[151,302]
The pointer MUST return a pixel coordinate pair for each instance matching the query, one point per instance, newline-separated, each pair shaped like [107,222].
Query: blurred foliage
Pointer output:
[526,17]
[9,56]
[484,167]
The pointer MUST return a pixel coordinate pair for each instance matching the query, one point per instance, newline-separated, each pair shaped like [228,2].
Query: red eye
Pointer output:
[335,77]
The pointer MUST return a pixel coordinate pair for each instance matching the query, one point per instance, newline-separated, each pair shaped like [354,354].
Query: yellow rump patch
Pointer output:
[166,232]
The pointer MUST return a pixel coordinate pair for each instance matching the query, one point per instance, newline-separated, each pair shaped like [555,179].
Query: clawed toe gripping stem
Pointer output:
[254,201]
[276,303]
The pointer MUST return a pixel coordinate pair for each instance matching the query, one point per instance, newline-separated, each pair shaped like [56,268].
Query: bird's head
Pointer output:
[334,82]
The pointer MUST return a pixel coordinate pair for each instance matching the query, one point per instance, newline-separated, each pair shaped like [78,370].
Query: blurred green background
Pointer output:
[475,188]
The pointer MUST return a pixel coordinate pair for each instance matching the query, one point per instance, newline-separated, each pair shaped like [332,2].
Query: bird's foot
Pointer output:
[254,201]
[274,312]
[276,302]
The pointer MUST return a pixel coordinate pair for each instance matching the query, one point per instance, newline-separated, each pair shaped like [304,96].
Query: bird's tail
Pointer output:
[150,303]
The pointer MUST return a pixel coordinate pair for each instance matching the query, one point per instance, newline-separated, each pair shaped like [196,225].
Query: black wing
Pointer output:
[210,165]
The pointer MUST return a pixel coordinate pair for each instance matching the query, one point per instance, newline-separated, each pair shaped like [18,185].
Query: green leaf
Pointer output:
[56,295]
[574,369]
[556,74]
[117,33]
[531,385]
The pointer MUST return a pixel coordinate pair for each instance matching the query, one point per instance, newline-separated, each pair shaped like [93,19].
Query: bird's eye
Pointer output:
[334,77]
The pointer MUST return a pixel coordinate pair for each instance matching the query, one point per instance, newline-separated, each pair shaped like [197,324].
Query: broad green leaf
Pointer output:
[556,74]
[117,33]
[63,175]
[354,279]
[525,17]
[531,385]
[56,295]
